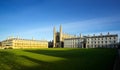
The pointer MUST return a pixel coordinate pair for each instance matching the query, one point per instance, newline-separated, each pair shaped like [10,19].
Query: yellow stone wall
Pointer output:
[64,36]
[24,43]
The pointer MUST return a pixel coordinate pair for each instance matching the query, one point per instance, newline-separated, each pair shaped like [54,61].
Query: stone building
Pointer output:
[24,43]
[58,38]
[61,39]
[100,41]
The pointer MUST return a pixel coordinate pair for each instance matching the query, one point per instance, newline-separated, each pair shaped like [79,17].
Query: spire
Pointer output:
[54,37]
[54,30]
[60,32]
[61,36]
[60,28]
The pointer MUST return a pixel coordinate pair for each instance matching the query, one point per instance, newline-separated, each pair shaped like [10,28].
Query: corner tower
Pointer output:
[60,33]
[61,40]
[54,37]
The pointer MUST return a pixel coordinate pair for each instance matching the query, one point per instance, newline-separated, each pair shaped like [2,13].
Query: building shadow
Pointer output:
[7,61]
[41,65]
[11,61]
[76,59]
[69,53]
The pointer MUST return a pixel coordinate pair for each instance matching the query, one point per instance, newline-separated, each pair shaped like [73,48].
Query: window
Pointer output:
[95,38]
[110,38]
[109,41]
[114,37]
[98,45]
[106,38]
[95,45]
[114,41]
[105,41]
[105,45]
[91,39]
[101,41]
[102,38]
[102,46]
[98,38]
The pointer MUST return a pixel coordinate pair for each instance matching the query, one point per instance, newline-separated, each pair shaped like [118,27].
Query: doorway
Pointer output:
[84,45]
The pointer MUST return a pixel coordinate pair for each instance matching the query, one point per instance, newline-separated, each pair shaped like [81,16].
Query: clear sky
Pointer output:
[36,18]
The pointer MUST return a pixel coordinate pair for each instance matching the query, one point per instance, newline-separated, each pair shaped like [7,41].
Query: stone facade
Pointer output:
[100,41]
[61,39]
[58,38]
[18,43]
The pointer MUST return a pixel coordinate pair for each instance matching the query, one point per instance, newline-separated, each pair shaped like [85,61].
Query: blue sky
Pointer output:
[36,18]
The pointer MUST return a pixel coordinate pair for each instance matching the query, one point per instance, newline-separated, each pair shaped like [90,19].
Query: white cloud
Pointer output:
[90,23]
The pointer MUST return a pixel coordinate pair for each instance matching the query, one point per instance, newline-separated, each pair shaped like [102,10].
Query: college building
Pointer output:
[72,41]
[18,43]
[58,38]
[63,40]
[100,41]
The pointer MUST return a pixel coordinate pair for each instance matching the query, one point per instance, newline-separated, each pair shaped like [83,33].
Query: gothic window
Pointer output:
[57,38]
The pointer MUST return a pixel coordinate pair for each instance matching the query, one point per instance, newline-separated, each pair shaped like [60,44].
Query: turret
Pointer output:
[54,35]
[61,36]
[60,33]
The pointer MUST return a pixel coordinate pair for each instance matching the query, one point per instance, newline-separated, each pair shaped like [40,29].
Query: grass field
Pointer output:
[57,59]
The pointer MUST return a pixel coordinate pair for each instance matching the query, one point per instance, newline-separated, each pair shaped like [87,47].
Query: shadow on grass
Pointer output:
[7,61]
[45,65]
[75,53]
[85,59]
[77,59]
[11,61]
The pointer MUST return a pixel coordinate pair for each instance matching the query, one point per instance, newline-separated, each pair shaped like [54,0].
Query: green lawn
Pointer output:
[57,59]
